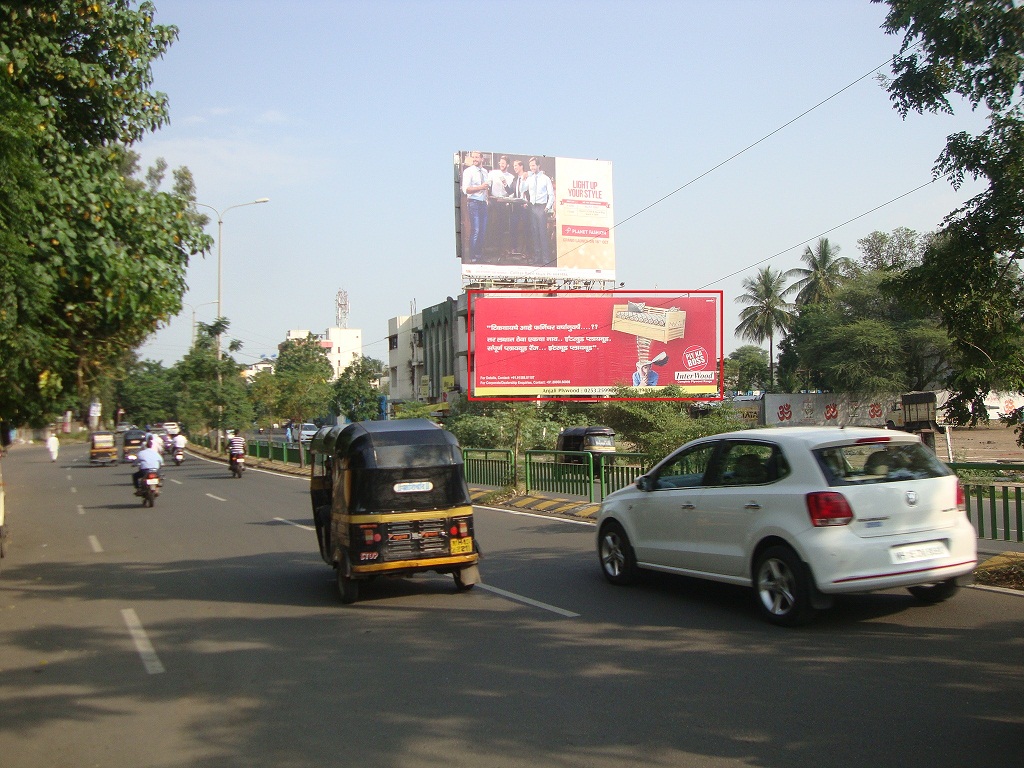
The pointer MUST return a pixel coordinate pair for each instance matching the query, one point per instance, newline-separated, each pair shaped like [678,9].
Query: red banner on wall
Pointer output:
[585,344]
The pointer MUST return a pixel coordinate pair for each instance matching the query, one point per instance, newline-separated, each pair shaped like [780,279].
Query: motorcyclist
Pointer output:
[179,442]
[148,459]
[236,447]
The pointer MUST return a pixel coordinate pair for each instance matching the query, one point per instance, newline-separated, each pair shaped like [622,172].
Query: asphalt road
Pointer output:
[207,632]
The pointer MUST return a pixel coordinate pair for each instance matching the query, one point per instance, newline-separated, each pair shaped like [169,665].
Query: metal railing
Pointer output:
[489,466]
[996,509]
[621,469]
[1004,510]
[564,472]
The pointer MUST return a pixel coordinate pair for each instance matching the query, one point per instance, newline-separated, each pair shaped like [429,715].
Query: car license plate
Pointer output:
[462,546]
[913,553]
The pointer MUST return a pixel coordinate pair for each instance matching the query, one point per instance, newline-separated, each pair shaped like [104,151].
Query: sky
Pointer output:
[346,115]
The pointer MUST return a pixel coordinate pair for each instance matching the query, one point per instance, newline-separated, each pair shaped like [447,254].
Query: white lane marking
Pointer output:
[303,478]
[149,658]
[218,498]
[176,482]
[81,509]
[297,525]
[529,601]
[95,544]
[571,521]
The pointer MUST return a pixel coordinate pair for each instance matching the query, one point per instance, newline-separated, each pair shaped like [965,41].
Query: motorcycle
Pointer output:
[179,456]
[149,487]
[237,464]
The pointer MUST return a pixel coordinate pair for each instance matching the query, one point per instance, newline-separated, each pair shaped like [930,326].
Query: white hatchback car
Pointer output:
[799,514]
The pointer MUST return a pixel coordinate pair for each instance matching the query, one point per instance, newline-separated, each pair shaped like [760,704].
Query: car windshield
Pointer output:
[878,463]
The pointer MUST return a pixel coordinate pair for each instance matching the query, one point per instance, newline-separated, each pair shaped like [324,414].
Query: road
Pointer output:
[207,632]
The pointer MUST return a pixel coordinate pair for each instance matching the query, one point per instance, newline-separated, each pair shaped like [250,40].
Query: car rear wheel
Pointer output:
[782,587]
[934,593]
[618,562]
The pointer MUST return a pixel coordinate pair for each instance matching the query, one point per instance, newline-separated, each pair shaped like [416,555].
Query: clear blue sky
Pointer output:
[347,114]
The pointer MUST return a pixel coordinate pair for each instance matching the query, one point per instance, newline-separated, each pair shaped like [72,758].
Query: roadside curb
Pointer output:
[546,504]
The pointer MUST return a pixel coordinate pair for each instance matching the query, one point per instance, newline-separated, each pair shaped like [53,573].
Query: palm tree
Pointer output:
[826,269]
[767,311]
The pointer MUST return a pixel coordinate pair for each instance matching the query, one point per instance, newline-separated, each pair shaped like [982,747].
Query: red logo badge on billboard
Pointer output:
[583,344]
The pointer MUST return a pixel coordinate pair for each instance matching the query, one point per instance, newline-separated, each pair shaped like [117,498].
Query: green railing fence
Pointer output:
[489,466]
[566,472]
[996,509]
[621,469]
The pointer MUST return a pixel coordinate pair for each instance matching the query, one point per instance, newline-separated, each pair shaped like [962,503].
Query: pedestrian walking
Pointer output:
[53,446]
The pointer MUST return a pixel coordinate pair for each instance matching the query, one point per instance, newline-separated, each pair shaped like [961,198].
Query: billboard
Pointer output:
[533,217]
[584,344]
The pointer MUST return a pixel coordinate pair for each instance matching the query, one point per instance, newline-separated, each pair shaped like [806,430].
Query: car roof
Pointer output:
[816,437]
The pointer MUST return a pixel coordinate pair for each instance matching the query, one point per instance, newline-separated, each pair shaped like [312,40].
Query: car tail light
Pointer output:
[828,508]
[863,440]
[961,497]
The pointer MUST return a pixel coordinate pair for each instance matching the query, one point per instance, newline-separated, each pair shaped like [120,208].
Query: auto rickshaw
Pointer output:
[598,441]
[102,449]
[132,444]
[390,499]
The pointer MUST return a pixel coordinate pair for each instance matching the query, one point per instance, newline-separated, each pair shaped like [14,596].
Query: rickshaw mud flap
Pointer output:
[430,564]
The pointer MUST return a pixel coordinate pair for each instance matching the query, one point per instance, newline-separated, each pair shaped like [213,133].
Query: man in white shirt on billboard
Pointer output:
[474,187]
[542,203]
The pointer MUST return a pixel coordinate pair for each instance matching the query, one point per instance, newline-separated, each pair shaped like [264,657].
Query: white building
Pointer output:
[405,357]
[343,346]
[263,364]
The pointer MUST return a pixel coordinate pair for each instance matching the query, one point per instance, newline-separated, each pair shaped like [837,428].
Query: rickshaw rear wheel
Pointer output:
[348,587]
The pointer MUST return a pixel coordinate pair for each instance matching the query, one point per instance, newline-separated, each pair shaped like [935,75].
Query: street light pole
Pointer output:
[193,308]
[220,274]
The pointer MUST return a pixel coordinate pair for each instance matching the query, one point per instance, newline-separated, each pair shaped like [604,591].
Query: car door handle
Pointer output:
[751,505]
[687,505]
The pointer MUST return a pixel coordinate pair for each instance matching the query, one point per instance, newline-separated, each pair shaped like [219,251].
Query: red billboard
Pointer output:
[584,344]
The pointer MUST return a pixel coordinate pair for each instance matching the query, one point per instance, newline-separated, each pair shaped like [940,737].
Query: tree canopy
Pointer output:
[92,260]
[971,50]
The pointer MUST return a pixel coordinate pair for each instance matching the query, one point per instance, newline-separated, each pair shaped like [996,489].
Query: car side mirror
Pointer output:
[644,483]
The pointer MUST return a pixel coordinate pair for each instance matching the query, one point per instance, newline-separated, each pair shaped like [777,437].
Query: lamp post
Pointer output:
[220,274]
[193,308]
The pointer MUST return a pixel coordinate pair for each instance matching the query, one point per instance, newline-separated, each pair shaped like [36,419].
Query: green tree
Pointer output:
[658,427]
[92,261]
[148,392]
[211,393]
[302,375]
[356,396]
[265,394]
[895,251]
[972,50]
[824,273]
[767,311]
[867,340]
[746,368]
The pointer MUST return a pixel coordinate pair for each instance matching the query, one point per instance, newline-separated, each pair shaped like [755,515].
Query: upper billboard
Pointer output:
[530,216]
[585,344]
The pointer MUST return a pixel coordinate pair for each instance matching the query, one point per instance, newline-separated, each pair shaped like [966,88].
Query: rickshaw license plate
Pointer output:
[462,546]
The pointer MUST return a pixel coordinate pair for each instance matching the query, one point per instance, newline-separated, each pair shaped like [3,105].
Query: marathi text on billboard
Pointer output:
[585,344]
[531,216]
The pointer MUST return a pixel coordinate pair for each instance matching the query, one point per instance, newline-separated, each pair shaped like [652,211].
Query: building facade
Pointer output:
[343,346]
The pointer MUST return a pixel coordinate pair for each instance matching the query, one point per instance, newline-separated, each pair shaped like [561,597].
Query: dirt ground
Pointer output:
[990,443]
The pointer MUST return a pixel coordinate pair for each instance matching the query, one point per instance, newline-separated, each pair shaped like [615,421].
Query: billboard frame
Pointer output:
[498,235]
[472,337]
